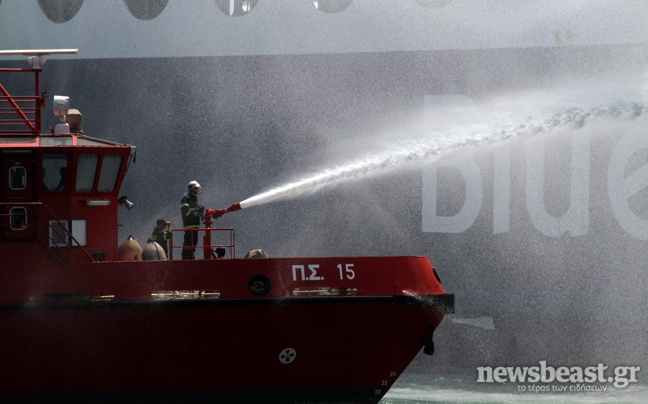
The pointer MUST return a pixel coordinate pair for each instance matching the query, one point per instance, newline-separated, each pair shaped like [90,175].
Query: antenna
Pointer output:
[38,52]
[36,59]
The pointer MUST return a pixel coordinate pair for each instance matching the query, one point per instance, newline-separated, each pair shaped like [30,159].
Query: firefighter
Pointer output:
[191,212]
[162,233]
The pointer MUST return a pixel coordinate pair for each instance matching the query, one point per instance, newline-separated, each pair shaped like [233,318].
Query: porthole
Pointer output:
[17,178]
[60,11]
[146,10]
[18,218]
[236,8]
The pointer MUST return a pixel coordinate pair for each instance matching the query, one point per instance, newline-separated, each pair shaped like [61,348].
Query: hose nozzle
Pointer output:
[235,207]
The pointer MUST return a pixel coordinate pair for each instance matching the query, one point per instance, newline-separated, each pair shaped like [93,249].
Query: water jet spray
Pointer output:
[439,146]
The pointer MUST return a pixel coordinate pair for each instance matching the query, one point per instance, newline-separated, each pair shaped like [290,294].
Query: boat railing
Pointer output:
[20,114]
[210,249]
[35,221]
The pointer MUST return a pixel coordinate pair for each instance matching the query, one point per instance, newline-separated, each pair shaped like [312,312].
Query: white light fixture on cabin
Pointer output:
[60,107]
[97,202]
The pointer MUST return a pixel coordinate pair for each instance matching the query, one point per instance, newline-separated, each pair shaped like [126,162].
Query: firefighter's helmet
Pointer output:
[193,186]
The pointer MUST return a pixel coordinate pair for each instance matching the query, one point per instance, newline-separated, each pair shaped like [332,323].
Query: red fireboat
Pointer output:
[80,323]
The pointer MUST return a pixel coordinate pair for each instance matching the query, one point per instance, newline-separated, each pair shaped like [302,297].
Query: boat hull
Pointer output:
[342,349]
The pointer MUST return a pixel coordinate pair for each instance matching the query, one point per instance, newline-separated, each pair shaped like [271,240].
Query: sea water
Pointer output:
[453,385]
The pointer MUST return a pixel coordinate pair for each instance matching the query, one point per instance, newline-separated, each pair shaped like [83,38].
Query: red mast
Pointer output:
[20,115]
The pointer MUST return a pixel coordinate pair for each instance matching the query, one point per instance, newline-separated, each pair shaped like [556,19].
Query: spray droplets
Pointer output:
[437,146]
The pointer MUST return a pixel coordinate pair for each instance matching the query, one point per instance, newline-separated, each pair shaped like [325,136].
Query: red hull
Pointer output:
[217,347]
[346,347]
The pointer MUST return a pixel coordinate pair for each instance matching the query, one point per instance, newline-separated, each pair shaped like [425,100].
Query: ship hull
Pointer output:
[317,349]
[294,330]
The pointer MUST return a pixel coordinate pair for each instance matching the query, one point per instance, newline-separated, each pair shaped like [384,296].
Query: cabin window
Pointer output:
[60,230]
[18,218]
[54,172]
[17,178]
[79,231]
[110,167]
[86,172]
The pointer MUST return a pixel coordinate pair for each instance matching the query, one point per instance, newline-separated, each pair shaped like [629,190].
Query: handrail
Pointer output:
[209,249]
[22,113]
[49,216]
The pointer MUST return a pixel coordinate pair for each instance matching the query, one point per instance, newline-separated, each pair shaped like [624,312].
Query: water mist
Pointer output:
[441,144]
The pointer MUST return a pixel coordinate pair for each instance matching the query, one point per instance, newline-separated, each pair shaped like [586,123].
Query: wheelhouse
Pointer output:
[58,189]
[67,184]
